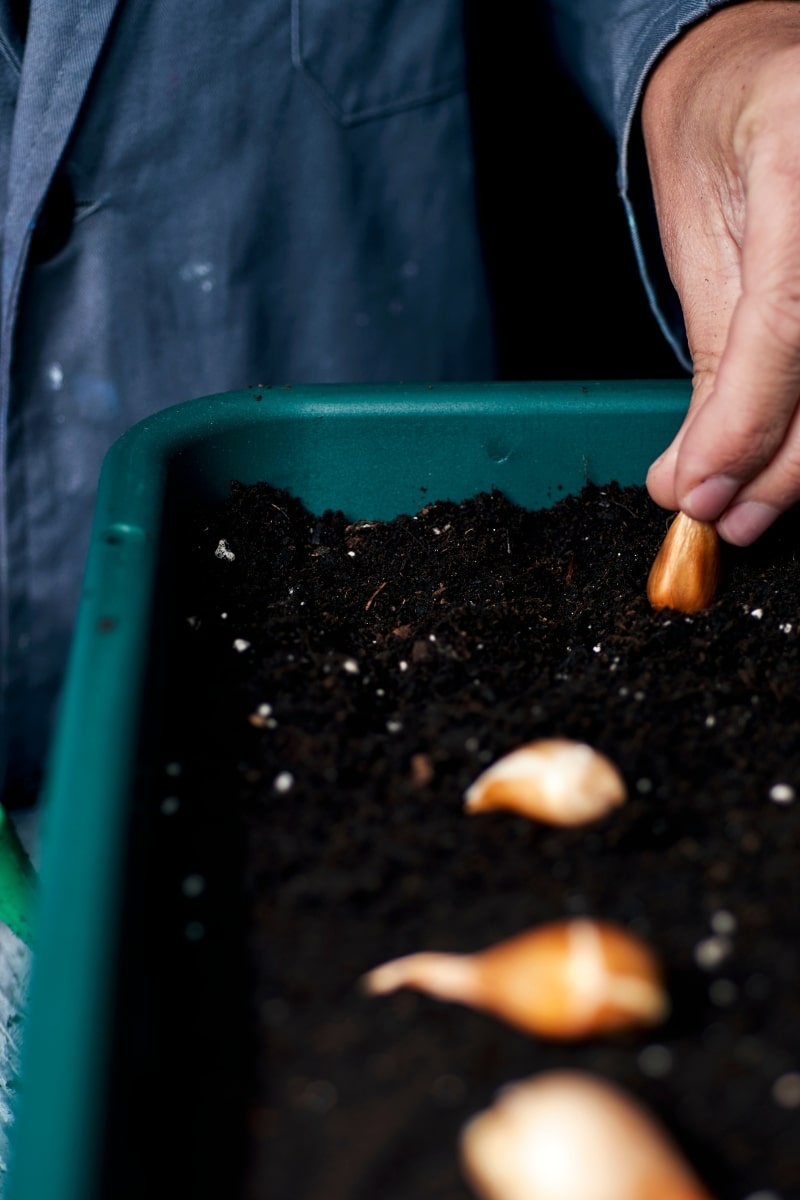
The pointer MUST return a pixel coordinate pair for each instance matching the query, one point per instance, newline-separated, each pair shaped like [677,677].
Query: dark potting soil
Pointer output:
[334,687]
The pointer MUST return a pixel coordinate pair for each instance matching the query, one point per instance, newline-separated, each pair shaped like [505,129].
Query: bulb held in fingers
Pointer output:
[685,572]
[566,980]
[568,1135]
[555,780]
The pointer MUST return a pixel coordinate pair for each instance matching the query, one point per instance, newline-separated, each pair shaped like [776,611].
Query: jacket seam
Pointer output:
[10,55]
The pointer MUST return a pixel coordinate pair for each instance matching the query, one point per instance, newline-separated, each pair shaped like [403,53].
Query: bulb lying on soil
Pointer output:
[685,572]
[556,780]
[568,1135]
[566,980]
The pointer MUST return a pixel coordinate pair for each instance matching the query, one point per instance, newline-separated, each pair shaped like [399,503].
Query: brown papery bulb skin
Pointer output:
[569,1135]
[566,980]
[685,572]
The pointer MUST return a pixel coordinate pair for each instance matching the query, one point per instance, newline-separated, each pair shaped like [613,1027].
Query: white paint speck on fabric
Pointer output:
[54,374]
[200,273]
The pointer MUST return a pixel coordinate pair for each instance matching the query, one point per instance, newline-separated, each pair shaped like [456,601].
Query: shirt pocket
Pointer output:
[371,58]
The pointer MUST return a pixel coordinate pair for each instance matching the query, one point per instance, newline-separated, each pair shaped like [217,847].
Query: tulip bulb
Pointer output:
[568,1135]
[685,572]
[555,780]
[566,980]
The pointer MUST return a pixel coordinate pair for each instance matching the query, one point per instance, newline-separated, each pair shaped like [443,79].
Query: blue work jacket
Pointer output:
[197,197]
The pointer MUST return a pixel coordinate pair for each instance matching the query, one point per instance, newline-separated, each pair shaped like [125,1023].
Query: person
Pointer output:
[193,203]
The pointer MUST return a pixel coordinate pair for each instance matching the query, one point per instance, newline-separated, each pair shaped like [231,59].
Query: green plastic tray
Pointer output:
[373,451]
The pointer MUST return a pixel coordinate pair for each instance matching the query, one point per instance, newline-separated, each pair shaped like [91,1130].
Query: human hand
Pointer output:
[721,122]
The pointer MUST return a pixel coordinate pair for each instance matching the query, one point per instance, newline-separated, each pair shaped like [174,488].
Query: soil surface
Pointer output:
[334,688]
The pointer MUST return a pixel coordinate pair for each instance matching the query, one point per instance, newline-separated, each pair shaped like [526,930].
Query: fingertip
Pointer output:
[654,473]
[661,497]
[707,501]
[660,480]
[744,523]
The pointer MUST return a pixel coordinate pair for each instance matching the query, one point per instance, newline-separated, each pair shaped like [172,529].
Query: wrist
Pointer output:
[708,69]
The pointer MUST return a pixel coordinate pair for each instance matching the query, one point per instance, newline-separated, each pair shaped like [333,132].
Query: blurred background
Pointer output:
[569,298]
